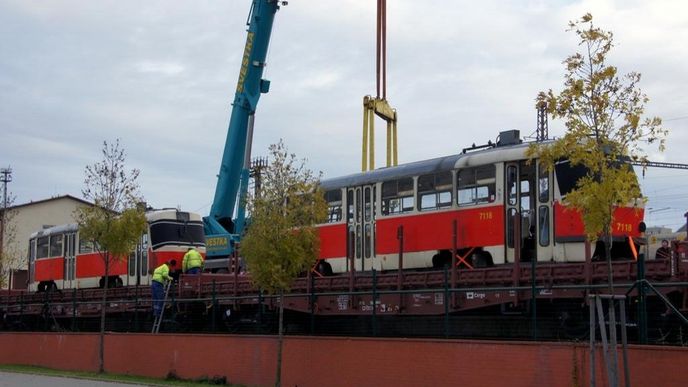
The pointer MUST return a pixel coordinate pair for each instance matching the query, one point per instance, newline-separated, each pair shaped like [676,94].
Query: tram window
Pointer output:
[334,204]
[543,185]
[132,264]
[358,205]
[475,195]
[350,206]
[358,241]
[170,232]
[525,195]
[568,175]
[511,179]
[55,246]
[543,221]
[374,202]
[367,204]
[510,230]
[434,191]
[85,246]
[397,196]
[368,240]
[476,185]
[144,262]
[334,214]
[42,247]
[333,196]
[32,250]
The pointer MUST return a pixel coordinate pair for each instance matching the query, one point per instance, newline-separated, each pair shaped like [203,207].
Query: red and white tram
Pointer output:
[485,203]
[60,259]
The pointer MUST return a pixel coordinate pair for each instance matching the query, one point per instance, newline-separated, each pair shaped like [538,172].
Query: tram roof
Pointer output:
[62,228]
[423,167]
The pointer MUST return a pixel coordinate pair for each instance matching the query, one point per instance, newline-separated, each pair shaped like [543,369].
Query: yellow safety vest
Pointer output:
[162,273]
[192,259]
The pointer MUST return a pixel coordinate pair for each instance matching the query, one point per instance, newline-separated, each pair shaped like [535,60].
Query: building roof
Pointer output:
[51,199]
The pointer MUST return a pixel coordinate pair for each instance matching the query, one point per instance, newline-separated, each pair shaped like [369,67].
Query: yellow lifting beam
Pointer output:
[379,105]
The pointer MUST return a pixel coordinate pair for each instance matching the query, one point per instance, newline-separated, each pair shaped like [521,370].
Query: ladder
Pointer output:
[158,319]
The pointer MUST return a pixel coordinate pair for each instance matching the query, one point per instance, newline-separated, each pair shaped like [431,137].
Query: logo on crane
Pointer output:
[244,62]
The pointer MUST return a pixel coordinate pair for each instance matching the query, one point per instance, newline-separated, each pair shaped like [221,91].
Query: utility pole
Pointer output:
[5,177]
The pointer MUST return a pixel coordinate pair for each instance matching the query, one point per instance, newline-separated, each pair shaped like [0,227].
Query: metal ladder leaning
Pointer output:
[158,319]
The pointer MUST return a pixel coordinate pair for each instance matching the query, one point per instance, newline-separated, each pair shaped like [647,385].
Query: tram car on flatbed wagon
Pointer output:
[488,204]
[60,259]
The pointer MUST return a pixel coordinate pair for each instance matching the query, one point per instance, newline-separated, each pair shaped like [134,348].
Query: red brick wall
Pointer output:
[74,352]
[246,360]
[316,361]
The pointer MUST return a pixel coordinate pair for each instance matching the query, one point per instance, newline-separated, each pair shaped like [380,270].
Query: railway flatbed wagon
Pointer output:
[482,301]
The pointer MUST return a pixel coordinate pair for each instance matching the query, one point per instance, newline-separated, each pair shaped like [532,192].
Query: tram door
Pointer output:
[545,235]
[138,263]
[32,261]
[362,227]
[70,260]
[520,197]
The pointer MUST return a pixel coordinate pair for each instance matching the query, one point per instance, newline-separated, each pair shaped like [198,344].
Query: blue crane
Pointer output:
[222,231]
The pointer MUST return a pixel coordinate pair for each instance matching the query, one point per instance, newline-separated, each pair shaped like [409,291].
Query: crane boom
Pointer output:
[220,228]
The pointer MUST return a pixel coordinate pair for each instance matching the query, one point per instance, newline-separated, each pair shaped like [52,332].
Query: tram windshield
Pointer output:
[176,233]
[568,174]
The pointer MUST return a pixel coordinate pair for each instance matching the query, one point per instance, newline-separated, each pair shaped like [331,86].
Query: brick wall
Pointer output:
[318,361]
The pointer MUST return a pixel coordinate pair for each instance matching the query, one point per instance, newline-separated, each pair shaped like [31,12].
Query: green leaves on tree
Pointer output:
[281,241]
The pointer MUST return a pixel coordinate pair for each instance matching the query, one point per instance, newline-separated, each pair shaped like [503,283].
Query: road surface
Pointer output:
[11,379]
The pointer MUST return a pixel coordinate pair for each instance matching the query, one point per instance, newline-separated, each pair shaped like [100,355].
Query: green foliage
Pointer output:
[115,223]
[117,235]
[281,241]
[603,113]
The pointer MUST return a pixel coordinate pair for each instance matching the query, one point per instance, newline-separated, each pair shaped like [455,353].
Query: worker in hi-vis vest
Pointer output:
[192,262]
[161,276]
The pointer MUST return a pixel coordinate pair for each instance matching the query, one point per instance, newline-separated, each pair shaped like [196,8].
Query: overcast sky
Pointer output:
[160,76]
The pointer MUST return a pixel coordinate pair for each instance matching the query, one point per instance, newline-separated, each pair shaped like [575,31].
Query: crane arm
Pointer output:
[219,224]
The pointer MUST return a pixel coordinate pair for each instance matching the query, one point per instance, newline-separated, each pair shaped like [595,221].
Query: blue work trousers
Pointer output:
[193,270]
[158,290]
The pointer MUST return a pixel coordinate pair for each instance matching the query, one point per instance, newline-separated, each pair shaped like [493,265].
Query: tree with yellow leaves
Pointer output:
[606,128]
[281,241]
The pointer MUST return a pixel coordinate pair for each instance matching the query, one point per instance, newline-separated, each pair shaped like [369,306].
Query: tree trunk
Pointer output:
[280,341]
[101,349]
[608,253]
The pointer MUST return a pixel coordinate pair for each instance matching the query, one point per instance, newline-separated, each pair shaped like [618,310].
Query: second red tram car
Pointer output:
[60,259]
